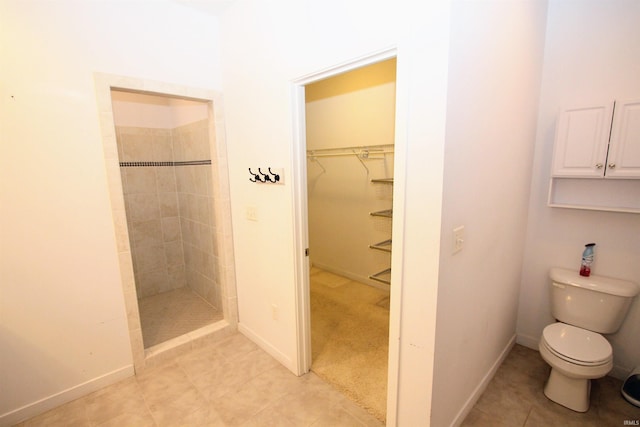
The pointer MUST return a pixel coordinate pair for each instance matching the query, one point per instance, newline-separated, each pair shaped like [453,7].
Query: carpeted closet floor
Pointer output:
[350,338]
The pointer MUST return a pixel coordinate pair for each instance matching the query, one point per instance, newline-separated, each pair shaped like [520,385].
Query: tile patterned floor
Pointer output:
[515,398]
[228,383]
[171,314]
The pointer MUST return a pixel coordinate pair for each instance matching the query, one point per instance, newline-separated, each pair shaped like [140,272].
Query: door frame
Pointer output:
[301,230]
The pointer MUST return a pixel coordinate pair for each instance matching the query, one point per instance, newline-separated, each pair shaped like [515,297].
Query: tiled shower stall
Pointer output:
[169,191]
[166,179]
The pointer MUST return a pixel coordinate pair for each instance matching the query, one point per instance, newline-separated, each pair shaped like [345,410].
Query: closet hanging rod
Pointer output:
[357,153]
[375,147]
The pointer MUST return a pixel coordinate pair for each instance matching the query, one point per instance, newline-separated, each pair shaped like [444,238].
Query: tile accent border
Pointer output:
[184,163]
[220,185]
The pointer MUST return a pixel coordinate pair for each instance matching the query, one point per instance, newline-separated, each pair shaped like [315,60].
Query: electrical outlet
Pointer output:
[458,239]
[274,311]
[251,213]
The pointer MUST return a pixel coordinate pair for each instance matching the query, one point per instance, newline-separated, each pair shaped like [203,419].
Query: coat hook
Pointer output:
[265,177]
[276,177]
[256,177]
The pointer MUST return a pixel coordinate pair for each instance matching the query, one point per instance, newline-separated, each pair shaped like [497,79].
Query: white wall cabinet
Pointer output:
[598,142]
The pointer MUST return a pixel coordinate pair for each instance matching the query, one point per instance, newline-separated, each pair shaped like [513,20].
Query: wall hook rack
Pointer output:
[266,178]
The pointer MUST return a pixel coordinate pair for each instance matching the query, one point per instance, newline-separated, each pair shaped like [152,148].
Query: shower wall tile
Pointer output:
[177,276]
[140,180]
[142,206]
[166,180]
[170,210]
[146,233]
[137,146]
[151,282]
[162,145]
[171,229]
[174,253]
[168,205]
[150,259]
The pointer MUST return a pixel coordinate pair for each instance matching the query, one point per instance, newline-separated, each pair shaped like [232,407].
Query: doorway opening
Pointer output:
[349,134]
[165,167]
[168,183]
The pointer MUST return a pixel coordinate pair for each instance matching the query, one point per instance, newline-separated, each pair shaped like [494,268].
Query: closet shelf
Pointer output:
[383,180]
[384,246]
[383,276]
[387,213]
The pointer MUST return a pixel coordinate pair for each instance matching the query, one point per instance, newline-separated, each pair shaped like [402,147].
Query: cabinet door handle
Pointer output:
[612,165]
[599,165]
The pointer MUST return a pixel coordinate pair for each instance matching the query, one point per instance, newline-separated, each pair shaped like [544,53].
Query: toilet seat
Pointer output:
[576,345]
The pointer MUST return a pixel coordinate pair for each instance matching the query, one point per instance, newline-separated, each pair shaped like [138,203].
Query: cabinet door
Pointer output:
[582,136]
[624,147]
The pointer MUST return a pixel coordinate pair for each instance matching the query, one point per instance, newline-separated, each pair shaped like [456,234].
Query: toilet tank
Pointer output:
[595,303]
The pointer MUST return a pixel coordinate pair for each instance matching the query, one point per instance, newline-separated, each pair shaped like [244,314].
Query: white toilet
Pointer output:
[584,307]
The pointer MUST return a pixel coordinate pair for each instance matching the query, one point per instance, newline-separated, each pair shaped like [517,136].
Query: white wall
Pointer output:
[592,55]
[353,109]
[155,112]
[63,321]
[494,76]
[265,48]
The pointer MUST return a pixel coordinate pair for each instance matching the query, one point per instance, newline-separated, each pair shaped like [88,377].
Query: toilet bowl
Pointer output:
[576,356]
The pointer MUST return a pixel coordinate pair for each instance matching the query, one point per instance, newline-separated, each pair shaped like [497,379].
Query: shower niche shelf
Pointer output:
[383,276]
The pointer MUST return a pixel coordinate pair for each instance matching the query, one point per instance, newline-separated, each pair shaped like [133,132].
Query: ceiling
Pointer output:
[211,7]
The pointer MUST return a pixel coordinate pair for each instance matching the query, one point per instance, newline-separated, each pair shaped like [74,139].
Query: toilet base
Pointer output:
[572,393]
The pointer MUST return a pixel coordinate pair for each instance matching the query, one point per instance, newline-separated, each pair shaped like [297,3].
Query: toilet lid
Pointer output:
[577,344]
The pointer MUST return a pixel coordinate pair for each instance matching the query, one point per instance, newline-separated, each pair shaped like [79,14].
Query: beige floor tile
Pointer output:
[269,418]
[337,417]
[229,385]
[202,417]
[180,407]
[240,406]
[214,384]
[306,406]
[359,413]
[515,397]
[164,384]
[477,418]
[120,400]
[130,420]
[200,360]
[69,414]
[235,346]
[254,363]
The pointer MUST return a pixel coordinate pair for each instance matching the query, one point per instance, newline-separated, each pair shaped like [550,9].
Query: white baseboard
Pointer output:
[273,352]
[471,401]
[43,405]
[352,276]
[528,341]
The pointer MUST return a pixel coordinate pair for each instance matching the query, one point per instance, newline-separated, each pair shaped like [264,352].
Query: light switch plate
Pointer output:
[458,239]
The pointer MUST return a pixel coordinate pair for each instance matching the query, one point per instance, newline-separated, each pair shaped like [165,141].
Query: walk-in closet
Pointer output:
[350,151]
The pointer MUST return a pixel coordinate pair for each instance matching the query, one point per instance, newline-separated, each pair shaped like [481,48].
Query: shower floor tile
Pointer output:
[171,314]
